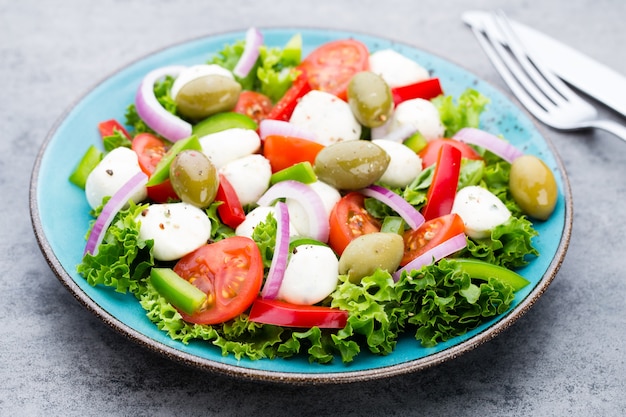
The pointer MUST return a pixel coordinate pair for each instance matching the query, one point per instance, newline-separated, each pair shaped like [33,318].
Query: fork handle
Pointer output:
[613,127]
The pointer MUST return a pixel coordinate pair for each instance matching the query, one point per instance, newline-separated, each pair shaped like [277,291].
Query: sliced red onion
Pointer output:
[111,208]
[447,248]
[410,214]
[153,114]
[254,40]
[490,142]
[310,201]
[270,127]
[281,254]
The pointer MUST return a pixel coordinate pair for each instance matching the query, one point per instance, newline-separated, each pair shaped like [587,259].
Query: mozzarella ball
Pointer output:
[311,275]
[420,114]
[255,217]
[396,69]
[404,164]
[327,117]
[230,144]
[115,169]
[480,210]
[249,176]
[176,229]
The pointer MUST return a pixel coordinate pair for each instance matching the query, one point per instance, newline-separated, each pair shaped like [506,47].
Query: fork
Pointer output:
[543,94]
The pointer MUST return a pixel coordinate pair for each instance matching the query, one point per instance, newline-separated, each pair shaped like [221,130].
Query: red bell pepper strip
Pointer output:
[230,211]
[280,313]
[283,109]
[426,89]
[108,128]
[442,191]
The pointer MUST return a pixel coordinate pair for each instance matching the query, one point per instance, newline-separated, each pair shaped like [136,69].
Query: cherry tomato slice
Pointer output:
[229,271]
[283,109]
[430,153]
[150,149]
[230,211]
[280,313]
[255,105]
[349,220]
[286,151]
[429,235]
[442,190]
[331,66]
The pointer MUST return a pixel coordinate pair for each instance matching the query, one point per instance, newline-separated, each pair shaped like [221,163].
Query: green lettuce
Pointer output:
[274,71]
[465,112]
[123,260]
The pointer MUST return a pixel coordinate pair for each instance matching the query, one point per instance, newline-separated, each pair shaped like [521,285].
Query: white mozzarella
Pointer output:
[255,217]
[404,164]
[197,71]
[480,210]
[311,275]
[176,229]
[298,215]
[328,117]
[420,114]
[230,144]
[396,69]
[115,169]
[249,176]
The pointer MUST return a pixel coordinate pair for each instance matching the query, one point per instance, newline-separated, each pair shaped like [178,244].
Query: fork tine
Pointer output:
[552,86]
[489,46]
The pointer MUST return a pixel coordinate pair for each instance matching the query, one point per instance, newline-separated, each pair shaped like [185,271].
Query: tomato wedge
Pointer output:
[280,313]
[108,128]
[255,105]
[442,191]
[429,235]
[331,66]
[283,109]
[229,271]
[349,220]
[286,151]
[430,153]
[230,211]
[150,149]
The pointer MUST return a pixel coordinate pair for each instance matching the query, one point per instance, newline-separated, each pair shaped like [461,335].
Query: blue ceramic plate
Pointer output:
[60,217]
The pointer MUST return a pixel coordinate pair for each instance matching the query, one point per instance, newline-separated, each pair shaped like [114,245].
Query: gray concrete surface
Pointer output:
[564,358]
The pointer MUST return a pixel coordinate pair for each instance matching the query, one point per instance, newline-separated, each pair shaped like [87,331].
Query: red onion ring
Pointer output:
[310,201]
[153,114]
[410,214]
[490,142]
[254,40]
[281,254]
[110,209]
[447,248]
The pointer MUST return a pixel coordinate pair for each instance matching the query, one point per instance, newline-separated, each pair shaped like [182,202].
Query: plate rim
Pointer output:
[296,378]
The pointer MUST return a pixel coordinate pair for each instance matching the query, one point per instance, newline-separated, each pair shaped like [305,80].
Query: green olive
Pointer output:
[370,99]
[369,252]
[533,186]
[351,164]
[194,178]
[207,95]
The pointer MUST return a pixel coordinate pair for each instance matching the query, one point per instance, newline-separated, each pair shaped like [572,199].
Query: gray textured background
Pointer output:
[564,357]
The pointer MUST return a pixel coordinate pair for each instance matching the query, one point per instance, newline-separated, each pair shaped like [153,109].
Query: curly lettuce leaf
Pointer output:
[274,71]
[264,235]
[123,260]
[447,303]
[464,113]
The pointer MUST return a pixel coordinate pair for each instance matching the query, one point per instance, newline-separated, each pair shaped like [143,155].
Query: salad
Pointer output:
[278,205]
